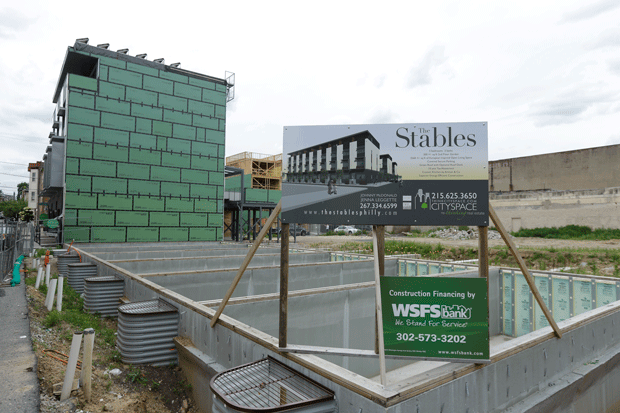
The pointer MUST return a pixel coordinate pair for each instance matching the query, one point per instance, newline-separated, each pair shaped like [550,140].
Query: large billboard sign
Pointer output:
[387,174]
[431,317]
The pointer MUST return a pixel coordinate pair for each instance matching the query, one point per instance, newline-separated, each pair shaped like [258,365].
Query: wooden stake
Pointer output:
[89,341]
[524,270]
[381,254]
[246,262]
[284,286]
[483,251]
[378,308]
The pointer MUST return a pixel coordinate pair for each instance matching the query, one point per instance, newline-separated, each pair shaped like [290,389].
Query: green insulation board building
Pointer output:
[144,157]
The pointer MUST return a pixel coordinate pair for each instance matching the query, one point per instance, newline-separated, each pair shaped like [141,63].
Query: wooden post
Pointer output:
[524,270]
[380,253]
[89,341]
[483,251]
[71,365]
[378,308]
[246,262]
[284,286]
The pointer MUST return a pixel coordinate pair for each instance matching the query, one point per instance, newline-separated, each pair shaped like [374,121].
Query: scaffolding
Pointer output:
[266,170]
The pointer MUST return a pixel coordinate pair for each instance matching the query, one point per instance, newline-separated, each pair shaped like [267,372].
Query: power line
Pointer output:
[21,176]
[13,163]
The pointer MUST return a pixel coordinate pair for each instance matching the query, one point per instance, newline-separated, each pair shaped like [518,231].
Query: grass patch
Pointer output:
[575,232]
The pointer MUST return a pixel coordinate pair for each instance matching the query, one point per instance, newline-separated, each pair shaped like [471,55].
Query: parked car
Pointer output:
[299,231]
[347,229]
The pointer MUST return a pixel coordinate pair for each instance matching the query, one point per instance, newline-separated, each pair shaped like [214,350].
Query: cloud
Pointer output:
[422,74]
[567,107]
[12,22]
[614,67]
[613,140]
[380,80]
[609,38]
[382,115]
[590,11]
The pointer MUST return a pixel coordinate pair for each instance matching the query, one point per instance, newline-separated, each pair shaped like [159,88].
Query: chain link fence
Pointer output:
[16,238]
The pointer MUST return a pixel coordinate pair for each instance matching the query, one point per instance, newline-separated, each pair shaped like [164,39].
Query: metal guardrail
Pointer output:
[16,238]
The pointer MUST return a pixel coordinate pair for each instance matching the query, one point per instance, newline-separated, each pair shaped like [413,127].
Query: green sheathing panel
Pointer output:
[79,234]
[82,82]
[202,234]
[109,234]
[142,234]
[173,234]
[145,155]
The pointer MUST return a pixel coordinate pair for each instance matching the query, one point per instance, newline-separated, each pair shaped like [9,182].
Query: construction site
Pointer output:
[331,332]
[153,220]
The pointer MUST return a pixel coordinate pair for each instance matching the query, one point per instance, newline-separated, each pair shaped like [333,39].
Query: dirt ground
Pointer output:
[136,389]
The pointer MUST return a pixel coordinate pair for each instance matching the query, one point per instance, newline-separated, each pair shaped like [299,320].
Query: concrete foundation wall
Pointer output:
[214,284]
[149,266]
[582,169]
[551,209]
[524,371]
[183,253]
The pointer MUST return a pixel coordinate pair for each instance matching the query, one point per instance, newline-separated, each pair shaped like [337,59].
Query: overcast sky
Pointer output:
[544,74]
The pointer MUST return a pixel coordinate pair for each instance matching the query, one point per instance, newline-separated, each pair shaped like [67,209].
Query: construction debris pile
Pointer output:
[456,234]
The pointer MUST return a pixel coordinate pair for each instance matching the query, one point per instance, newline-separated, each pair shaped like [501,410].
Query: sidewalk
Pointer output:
[19,385]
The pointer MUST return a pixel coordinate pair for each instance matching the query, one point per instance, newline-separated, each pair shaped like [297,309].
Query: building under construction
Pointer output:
[251,193]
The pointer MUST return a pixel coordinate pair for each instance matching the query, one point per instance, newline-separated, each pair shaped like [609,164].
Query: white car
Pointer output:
[347,229]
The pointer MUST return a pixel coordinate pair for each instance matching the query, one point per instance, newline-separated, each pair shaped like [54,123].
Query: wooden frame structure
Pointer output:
[379,263]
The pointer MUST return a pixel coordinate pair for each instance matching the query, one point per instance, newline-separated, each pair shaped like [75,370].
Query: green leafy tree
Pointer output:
[21,188]
[12,208]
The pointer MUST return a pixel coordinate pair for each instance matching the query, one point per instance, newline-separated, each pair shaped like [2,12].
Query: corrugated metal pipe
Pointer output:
[102,295]
[145,333]
[77,272]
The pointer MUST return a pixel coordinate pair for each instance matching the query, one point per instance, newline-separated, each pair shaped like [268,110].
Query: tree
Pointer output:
[21,188]
[12,208]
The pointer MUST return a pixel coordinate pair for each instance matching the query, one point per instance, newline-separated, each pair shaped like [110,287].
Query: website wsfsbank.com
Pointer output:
[461,353]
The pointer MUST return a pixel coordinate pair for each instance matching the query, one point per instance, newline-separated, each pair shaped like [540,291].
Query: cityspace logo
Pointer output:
[449,312]
[422,199]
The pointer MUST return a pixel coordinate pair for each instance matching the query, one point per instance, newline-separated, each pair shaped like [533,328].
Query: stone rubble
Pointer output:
[456,234]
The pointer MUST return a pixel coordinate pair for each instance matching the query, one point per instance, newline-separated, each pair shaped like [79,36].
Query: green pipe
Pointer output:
[16,275]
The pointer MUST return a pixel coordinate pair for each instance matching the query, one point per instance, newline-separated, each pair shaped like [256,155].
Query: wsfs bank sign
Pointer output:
[435,318]
[386,174]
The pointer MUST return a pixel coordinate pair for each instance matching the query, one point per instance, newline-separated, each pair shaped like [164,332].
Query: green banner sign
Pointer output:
[432,317]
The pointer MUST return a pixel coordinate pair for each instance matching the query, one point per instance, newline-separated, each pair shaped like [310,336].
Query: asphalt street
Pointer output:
[19,385]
